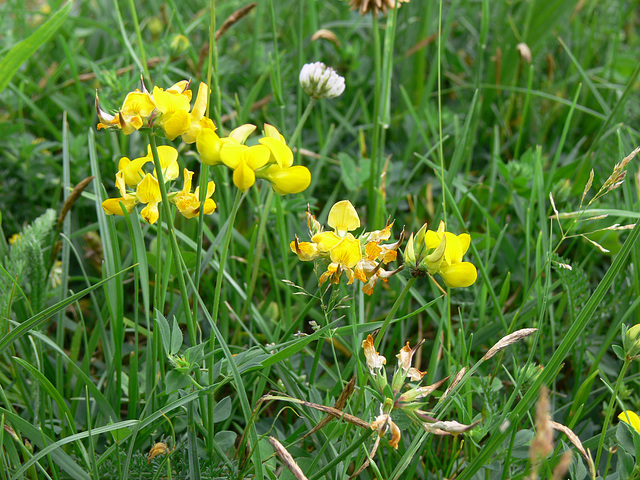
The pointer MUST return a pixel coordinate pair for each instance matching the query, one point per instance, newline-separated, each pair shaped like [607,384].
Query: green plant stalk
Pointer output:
[212,71]
[136,26]
[394,308]
[173,242]
[371,186]
[440,147]
[224,327]
[302,121]
[610,408]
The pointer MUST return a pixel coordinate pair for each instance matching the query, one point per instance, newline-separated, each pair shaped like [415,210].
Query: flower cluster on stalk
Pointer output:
[138,185]
[408,401]
[170,110]
[359,258]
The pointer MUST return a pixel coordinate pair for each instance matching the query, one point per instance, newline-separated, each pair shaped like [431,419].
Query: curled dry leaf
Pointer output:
[159,448]
[508,340]
[573,438]
[524,51]
[326,34]
[448,427]
[456,381]
[287,459]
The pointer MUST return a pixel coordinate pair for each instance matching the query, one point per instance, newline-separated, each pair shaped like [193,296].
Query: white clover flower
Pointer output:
[320,81]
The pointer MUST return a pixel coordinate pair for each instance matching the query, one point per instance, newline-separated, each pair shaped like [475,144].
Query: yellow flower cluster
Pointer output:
[136,185]
[359,258]
[170,110]
[271,158]
[440,252]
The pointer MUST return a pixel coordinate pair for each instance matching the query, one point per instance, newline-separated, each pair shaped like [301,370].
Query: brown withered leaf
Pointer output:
[287,459]
[339,405]
[508,340]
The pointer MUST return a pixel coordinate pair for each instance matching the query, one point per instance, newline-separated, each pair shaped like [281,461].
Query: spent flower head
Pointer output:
[375,6]
[320,81]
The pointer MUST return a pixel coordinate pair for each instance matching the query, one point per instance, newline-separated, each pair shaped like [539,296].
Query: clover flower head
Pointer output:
[375,6]
[320,81]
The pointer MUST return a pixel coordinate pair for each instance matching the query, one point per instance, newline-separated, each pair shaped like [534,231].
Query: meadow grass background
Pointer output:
[456,126]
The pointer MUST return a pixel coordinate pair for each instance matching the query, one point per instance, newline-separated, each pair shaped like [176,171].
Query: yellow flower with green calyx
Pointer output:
[133,114]
[360,258]
[446,257]
[148,192]
[244,161]
[630,418]
[189,203]
[173,105]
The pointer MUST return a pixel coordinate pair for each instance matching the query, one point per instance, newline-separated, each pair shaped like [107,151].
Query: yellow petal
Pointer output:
[453,251]
[288,180]
[461,274]
[148,190]
[243,177]
[280,152]
[271,131]
[200,105]
[150,213]
[241,133]
[631,418]
[188,175]
[168,157]
[325,241]
[133,172]
[256,156]
[138,103]
[343,217]
[111,206]
[232,154]
[346,252]
[208,145]
[465,241]
[175,124]
[171,101]
[432,239]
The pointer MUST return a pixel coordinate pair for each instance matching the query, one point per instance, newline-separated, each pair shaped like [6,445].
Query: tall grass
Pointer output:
[176,350]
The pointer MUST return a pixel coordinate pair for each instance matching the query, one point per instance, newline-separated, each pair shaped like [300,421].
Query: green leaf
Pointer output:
[225,439]
[176,337]
[21,52]
[222,410]
[165,331]
[350,175]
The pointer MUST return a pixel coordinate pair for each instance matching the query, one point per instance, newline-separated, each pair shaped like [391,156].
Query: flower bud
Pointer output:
[320,81]
[631,341]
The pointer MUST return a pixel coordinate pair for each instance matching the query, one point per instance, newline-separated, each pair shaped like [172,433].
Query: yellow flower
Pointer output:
[209,144]
[111,206]
[133,114]
[148,191]
[630,418]
[173,105]
[189,203]
[280,151]
[446,258]
[198,122]
[244,161]
[343,218]
[360,258]
[288,180]
[344,256]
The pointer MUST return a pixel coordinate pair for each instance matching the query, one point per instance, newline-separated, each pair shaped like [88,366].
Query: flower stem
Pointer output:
[393,310]
[173,242]
[136,25]
[609,413]
[303,119]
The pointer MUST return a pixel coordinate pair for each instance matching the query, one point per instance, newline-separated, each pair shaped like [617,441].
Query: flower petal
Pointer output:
[343,217]
[461,274]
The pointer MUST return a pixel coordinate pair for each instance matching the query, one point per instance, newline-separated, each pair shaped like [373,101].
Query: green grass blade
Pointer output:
[19,54]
